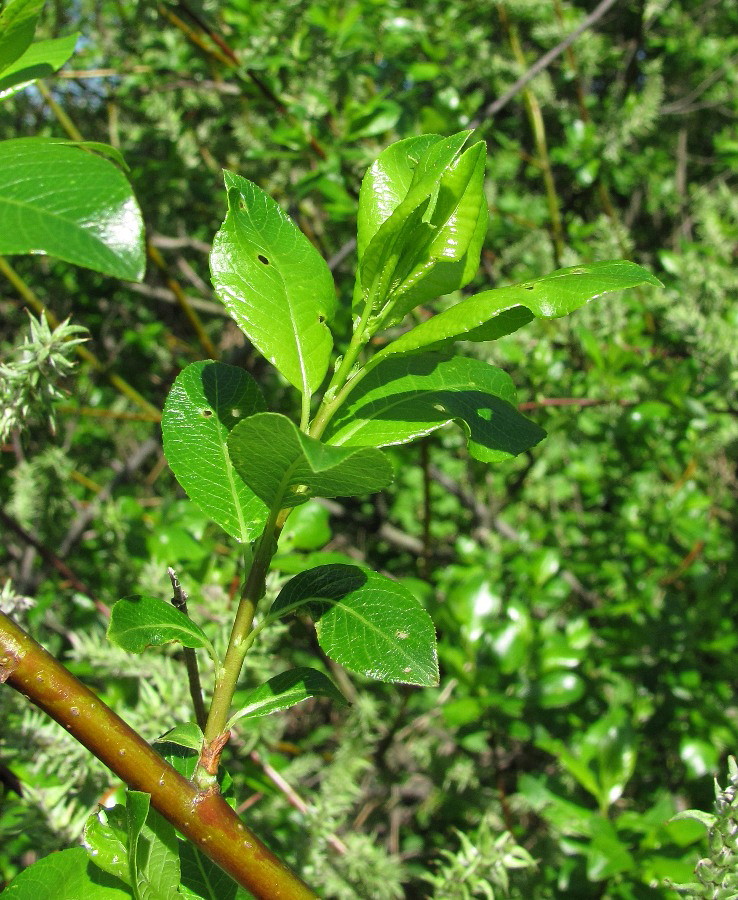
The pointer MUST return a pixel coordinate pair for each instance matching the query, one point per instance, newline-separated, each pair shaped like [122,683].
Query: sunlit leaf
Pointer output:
[62,200]
[138,622]
[275,284]
[40,60]
[66,875]
[365,621]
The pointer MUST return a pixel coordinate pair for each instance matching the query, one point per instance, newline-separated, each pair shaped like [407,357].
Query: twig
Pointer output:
[597,13]
[293,798]
[52,559]
[179,601]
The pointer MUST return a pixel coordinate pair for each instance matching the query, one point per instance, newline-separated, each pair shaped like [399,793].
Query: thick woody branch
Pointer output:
[202,816]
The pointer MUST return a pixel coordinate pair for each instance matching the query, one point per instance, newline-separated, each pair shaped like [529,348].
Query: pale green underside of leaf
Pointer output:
[366,622]
[284,691]
[206,401]
[275,284]
[492,314]
[67,875]
[40,60]
[138,622]
[69,203]
[405,398]
[285,467]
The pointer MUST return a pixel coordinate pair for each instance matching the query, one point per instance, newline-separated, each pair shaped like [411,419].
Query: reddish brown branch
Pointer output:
[202,816]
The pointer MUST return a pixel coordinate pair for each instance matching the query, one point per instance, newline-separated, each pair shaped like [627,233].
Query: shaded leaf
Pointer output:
[40,60]
[275,284]
[492,314]
[77,206]
[404,398]
[206,401]
[201,877]
[153,850]
[284,691]
[366,622]
[138,622]
[285,467]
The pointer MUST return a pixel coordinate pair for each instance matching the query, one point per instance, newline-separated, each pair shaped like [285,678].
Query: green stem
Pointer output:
[203,817]
[227,677]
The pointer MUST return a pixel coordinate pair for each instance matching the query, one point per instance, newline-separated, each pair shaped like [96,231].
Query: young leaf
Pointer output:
[492,314]
[275,284]
[441,254]
[85,214]
[17,25]
[284,691]
[40,60]
[66,875]
[285,467]
[366,622]
[404,398]
[186,734]
[206,400]
[138,622]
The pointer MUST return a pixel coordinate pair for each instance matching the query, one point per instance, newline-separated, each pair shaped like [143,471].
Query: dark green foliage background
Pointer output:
[583,593]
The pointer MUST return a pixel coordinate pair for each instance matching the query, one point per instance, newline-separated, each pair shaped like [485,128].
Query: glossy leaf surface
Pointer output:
[275,284]
[138,622]
[405,398]
[18,20]
[284,691]
[66,875]
[40,60]
[205,403]
[492,314]
[105,839]
[365,621]
[285,467]
[69,203]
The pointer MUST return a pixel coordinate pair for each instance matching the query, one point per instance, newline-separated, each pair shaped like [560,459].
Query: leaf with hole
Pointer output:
[138,622]
[275,284]
[284,691]
[285,467]
[405,398]
[366,622]
[206,401]
[62,200]
[492,314]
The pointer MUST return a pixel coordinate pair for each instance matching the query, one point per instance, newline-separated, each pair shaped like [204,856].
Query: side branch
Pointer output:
[202,816]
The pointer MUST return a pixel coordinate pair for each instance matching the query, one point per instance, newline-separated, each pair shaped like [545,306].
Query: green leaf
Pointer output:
[18,20]
[284,691]
[387,182]
[105,838]
[61,200]
[153,850]
[405,398]
[492,314]
[39,61]
[423,260]
[206,400]
[201,878]
[275,284]
[186,734]
[66,875]
[366,622]
[138,622]
[285,467]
